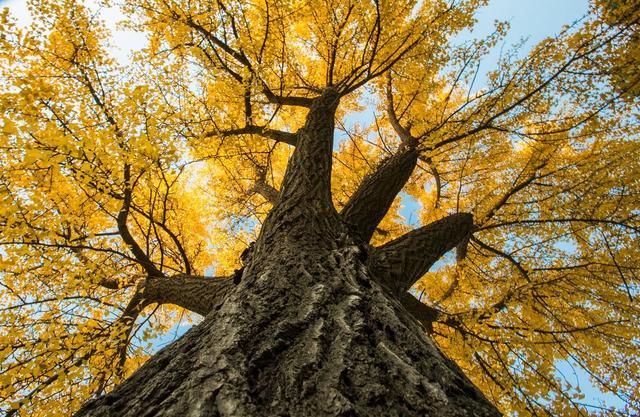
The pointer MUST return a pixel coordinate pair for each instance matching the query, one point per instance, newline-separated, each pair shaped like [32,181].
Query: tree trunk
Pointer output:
[303,334]
[311,328]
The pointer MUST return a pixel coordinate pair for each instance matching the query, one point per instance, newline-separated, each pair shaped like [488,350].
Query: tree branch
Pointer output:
[425,314]
[371,201]
[126,322]
[510,258]
[401,262]
[588,220]
[285,100]
[198,294]
[305,205]
[308,174]
[123,229]
[403,132]
[277,135]
[176,241]
[436,176]
[240,57]
[270,193]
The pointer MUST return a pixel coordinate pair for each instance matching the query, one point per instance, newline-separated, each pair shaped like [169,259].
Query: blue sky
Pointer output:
[531,20]
[537,19]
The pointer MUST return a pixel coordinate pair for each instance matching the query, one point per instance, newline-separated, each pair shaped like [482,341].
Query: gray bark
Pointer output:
[401,262]
[309,329]
[304,334]
[373,198]
[198,294]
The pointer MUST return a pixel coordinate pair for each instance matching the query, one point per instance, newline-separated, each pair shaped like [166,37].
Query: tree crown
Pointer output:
[123,184]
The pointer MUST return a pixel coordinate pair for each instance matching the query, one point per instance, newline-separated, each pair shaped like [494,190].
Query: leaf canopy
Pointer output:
[167,164]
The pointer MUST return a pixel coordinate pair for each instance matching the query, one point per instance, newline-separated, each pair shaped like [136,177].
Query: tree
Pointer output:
[123,186]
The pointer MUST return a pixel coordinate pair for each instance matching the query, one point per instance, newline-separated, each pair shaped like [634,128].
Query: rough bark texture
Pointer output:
[303,335]
[401,262]
[198,294]
[311,328]
[371,201]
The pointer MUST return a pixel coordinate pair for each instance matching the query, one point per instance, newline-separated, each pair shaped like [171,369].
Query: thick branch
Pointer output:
[369,204]
[270,193]
[305,211]
[277,135]
[285,100]
[371,201]
[425,314]
[308,175]
[401,262]
[197,294]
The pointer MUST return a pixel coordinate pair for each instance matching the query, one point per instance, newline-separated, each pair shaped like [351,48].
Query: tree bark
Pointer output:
[200,295]
[303,334]
[373,198]
[400,263]
[311,327]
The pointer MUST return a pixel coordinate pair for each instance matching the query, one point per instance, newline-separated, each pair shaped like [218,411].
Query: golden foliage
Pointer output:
[544,153]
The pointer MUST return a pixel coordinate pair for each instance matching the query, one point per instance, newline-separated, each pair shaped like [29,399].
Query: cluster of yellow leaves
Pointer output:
[292,43]
[625,54]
